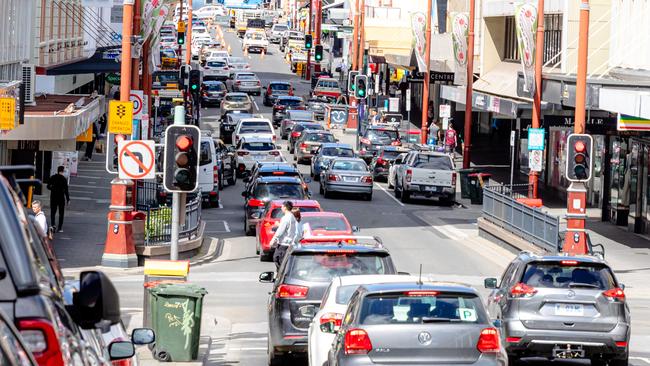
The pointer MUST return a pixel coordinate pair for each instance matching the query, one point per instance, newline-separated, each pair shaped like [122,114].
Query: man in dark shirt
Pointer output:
[59,196]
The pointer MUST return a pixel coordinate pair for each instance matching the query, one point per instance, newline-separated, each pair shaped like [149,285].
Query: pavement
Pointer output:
[443,240]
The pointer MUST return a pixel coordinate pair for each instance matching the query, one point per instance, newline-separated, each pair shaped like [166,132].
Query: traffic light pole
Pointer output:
[179,120]
[311,27]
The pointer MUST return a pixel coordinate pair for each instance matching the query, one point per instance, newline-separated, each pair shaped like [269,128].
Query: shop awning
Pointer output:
[441,59]
[501,81]
[628,101]
[104,60]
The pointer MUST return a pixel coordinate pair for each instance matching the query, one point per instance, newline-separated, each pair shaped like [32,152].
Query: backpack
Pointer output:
[450,137]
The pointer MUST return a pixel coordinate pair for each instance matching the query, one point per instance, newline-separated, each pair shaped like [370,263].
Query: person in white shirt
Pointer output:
[285,234]
[40,218]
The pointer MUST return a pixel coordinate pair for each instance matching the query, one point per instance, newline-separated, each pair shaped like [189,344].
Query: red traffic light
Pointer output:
[183,143]
[580,146]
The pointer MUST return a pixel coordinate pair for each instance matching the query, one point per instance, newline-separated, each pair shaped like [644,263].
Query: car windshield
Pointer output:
[319,137]
[277,212]
[255,127]
[290,102]
[390,154]
[382,134]
[327,223]
[421,306]
[258,146]
[569,274]
[351,166]
[425,161]
[216,87]
[168,53]
[216,64]
[338,151]
[237,98]
[322,267]
[279,191]
[279,86]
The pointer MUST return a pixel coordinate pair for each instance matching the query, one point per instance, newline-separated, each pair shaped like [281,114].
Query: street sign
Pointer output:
[513,137]
[535,139]
[7,113]
[120,117]
[445,111]
[136,159]
[535,160]
[408,100]
[137,98]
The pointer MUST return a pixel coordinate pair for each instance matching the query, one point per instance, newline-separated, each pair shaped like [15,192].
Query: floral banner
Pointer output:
[459,33]
[526,25]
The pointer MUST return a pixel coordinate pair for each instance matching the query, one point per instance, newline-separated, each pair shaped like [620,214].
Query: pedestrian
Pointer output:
[434,132]
[90,146]
[59,196]
[430,113]
[285,234]
[39,216]
[299,228]
[451,139]
[374,117]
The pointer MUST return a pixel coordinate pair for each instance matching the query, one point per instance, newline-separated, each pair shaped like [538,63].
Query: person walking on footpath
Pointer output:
[285,235]
[59,196]
[39,217]
[451,140]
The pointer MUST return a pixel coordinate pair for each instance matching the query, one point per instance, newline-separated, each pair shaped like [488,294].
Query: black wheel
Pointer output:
[233,179]
[284,137]
[221,180]
[266,257]
[326,193]
[316,177]
[390,186]
[599,361]
[406,196]
[257,248]
[618,361]
[273,358]
[247,229]
[513,359]
[368,197]
[214,203]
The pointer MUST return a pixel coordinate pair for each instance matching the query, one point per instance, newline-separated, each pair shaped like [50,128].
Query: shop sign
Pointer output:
[630,123]
[445,111]
[535,139]
[7,113]
[113,79]
[418,77]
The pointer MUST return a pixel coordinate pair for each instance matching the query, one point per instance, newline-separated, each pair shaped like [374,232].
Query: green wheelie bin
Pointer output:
[464,181]
[476,183]
[176,311]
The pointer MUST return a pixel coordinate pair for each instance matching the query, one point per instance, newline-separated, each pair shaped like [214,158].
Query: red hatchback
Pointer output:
[317,224]
[270,219]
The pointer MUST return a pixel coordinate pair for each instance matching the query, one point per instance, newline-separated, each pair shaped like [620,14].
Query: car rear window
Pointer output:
[290,102]
[322,267]
[274,191]
[277,212]
[302,127]
[279,86]
[279,28]
[432,162]
[325,223]
[382,134]
[216,63]
[236,98]
[338,151]
[327,84]
[258,146]
[205,157]
[352,166]
[255,127]
[246,77]
[419,306]
[320,137]
[391,155]
[568,274]
[215,87]
[236,60]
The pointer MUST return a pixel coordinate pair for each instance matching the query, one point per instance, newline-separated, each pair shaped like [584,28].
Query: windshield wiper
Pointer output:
[428,319]
[582,284]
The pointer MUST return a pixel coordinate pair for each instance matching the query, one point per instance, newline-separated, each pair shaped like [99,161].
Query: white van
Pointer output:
[208,171]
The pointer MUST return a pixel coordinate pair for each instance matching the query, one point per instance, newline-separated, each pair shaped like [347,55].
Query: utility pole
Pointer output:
[125,67]
[188,35]
[575,240]
[533,176]
[179,119]
[318,21]
[135,62]
[180,46]
[311,23]
[355,36]
[361,50]
[469,90]
[427,80]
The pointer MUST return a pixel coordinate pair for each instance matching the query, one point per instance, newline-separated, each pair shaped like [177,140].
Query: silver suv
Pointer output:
[561,307]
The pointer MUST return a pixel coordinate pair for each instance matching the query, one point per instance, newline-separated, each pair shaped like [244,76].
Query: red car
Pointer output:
[325,224]
[270,219]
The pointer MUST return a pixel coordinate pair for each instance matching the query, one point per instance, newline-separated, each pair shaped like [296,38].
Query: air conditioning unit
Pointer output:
[29,79]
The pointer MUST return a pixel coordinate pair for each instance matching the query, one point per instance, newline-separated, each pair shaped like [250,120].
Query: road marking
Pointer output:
[89,177]
[389,195]
[248,349]
[451,231]
[86,186]
[644,359]
[255,104]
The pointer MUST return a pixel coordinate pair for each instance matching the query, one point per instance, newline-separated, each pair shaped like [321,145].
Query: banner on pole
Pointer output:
[459,33]
[418,26]
[526,25]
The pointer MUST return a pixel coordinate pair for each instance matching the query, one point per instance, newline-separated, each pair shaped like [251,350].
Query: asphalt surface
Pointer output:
[441,239]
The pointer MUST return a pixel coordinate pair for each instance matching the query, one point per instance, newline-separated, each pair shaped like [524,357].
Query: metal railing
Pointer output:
[158,226]
[500,207]
[147,195]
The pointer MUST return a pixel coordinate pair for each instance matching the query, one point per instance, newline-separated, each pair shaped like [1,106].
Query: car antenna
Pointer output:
[420,277]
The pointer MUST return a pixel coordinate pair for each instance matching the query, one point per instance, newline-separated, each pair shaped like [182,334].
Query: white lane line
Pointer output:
[226,226]
[87,186]
[255,104]
[644,359]
[389,194]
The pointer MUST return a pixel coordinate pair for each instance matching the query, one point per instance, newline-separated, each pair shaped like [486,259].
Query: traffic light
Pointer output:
[195,81]
[318,54]
[181,167]
[360,86]
[351,76]
[579,152]
[308,41]
[184,77]
[112,140]
[180,33]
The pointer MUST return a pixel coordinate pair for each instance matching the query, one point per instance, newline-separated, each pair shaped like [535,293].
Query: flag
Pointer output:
[418,26]
[459,33]
[526,24]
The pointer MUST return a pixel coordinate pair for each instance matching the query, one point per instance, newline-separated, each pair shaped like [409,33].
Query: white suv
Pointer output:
[252,150]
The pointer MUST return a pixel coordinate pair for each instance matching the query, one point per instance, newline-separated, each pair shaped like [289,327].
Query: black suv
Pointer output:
[228,124]
[266,189]
[375,138]
[301,282]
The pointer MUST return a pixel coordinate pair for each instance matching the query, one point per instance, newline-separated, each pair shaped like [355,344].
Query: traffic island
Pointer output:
[187,247]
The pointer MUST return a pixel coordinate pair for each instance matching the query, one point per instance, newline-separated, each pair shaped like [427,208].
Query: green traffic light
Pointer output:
[194,87]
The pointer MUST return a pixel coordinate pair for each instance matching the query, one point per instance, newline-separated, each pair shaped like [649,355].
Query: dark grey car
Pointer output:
[346,175]
[301,282]
[309,142]
[561,307]
[291,118]
[416,323]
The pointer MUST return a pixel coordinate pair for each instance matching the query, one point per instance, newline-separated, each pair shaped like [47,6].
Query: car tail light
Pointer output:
[615,293]
[409,175]
[396,143]
[513,339]
[366,179]
[333,178]
[488,342]
[237,82]
[247,67]
[292,292]
[295,134]
[522,290]
[215,174]
[255,202]
[205,94]
[381,161]
[259,83]
[291,92]
[569,263]
[365,141]
[226,68]
[453,178]
[357,342]
[303,145]
[274,138]
[206,67]
[42,340]
[420,293]
[242,153]
[332,317]
[618,344]
[268,223]
[274,153]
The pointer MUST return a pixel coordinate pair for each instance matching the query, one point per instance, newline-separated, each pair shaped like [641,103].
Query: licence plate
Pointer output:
[250,84]
[430,189]
[259,156]
[569,310]
[350,179]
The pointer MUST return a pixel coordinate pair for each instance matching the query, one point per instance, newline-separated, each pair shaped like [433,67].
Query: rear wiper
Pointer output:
[428,319]
[581,284]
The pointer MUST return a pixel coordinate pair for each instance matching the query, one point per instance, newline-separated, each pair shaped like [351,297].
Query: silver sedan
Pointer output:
[346,175]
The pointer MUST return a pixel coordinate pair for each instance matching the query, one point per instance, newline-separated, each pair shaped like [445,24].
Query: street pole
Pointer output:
[179,120]
[426,81]
[125,66]
[180,46]
[311,22]
[470,80]
[188,35]
[575,240]
[355,36]
[318,21]
[135,62]
[361,50]
[533,176]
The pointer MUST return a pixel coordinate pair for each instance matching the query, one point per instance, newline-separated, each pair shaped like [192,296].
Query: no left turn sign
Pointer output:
[136,159]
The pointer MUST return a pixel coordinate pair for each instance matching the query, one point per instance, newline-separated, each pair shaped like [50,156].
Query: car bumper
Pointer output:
[285,337]
[430,191]
[541,342]
[485,359]
[249,163]
[249,89]
[252,48]
[348,188]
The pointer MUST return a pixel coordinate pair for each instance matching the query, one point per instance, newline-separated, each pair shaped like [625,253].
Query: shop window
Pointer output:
[552,40]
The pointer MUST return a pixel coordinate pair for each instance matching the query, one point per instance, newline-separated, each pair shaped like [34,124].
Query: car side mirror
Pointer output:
[267,277]
[621,286]
[490,283]
[142,336]
[328,327]
[96,301]
[121,350]
[355,229]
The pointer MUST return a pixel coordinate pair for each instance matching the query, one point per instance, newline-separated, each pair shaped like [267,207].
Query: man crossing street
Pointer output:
[285,235]
[59,196]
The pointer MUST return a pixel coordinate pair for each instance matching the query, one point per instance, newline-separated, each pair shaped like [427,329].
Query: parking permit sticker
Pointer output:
[467,315]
